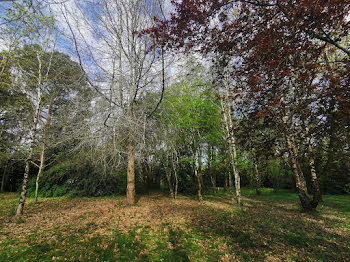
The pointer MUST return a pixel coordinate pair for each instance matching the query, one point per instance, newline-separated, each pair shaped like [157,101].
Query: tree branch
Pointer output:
[329,40]
[163,86]
[80,61]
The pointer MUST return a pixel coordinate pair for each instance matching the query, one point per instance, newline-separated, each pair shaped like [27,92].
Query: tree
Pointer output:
[126,70]
[65,81]
[227,111]
[191,110]
[33,28]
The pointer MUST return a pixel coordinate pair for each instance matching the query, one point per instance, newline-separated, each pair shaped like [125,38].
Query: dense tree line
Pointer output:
[258,98]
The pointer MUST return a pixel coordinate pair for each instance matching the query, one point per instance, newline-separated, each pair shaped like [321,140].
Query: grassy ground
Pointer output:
[269,227]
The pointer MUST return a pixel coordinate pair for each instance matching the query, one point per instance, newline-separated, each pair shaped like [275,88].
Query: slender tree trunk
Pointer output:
[212,174]
[257,178]
[197,170]
[176,183]
[232,153]
[236,174]
[130,190]
[41,168]
[314,179]
[43,148]
[149,176]
[199,182]
[232,149]
[329,166]
[23,195]
[148,173]
[230,186]
[168,178]
[175,176]
[213,180]
[4,177]
[226,186]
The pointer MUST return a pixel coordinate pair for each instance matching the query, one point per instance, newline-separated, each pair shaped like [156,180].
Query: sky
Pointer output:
[94,49]
[81,16]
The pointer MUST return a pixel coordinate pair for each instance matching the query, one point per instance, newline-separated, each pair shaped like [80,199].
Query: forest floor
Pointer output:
[269,227]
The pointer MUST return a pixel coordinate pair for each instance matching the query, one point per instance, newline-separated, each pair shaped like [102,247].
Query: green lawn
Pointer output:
[269,227]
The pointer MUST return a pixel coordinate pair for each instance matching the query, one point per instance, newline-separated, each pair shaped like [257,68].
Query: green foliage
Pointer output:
[26,22]
[192,119]
[277,174]
[245,167]
[193,110]
[336,181]
[187,185]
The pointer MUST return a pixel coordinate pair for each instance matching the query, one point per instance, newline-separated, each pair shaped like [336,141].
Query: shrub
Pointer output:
[80,179]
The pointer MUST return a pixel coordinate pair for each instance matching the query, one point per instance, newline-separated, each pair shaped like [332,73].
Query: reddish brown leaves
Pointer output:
[284,41]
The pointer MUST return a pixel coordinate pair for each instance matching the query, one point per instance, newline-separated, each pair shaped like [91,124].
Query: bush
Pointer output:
[337,184]
[75,179]
[186,184]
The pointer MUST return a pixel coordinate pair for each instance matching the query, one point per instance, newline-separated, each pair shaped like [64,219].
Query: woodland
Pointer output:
[175,130]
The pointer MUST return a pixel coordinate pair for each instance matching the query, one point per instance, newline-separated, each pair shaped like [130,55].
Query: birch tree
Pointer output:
[36,28]
[40,86]
[65,83]
[231,142]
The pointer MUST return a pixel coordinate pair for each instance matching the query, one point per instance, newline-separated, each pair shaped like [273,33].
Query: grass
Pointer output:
[269,227]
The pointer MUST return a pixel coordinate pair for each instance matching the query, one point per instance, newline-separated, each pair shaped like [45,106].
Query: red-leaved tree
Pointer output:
[290,55]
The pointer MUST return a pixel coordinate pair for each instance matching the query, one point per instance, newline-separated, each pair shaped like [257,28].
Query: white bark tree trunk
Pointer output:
[23,195]
[232,149]
[43,147]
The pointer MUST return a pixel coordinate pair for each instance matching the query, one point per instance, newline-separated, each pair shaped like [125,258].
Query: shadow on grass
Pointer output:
[269,228]
[139,243]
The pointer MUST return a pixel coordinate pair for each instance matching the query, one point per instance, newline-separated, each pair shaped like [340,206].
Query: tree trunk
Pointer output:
[23,196]
[298,175]
[4,177]
[212,174]
[199,181]
[168,178]
[230,186]
[3,180]
[176,183]
[226,187]
[232,148]
[175,176]
[130,190]
[314,179]
[257,178]
[41,168]
[213,180]
[43,147]
[197,170]
[236,174]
